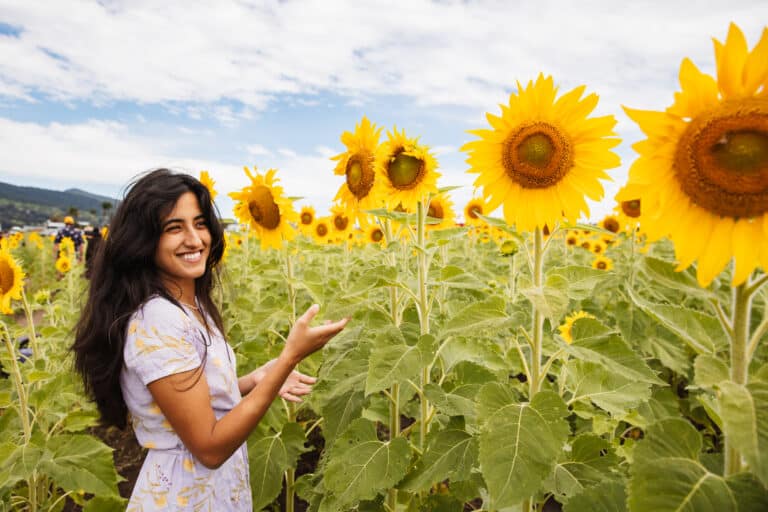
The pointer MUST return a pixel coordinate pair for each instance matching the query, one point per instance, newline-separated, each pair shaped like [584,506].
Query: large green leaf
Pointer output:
[460,401]
[605,388]
[339,411]
[519,442]
[269,457]
[750,493]
[360,466]
[490,313]
[579,281]
[668,476]
[550,301]
[591,460]
[450,454]
[744,412]
[610,351]
[701,332]
[397,362]
[481,351]
[709,371]
[663,273]
[80,462]
[608,496]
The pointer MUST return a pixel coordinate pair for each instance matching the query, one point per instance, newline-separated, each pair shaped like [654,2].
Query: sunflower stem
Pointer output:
[18,384]
[394,393]
[742,302]
[290,473]
[538,318]
[423,306]
[756,284]
[30,324]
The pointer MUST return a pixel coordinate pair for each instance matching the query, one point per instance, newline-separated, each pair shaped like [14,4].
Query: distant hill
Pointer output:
[21,206]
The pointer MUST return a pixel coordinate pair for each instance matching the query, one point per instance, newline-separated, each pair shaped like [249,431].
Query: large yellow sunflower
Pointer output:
[405,170]
[441,207]
[11,280]
[263,207]
[702,173]
[206,180]
[543,155]
[357,164]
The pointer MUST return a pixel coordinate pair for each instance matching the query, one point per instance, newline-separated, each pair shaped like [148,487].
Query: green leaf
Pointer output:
[450,454]
[105,504]
[605,388]
[580,281]
[744,412]
[551,302]
[456,277]
[668,476]
[662,404]
[397,362]
[490,313]
[481,351]
[750,493]
[663,273]
[360,465]
[339,411]
[76,462]
[590,461]
[709,371]
[608,496]
[519,442]
[701,332]
[610,351]
[459,402]
[269,457]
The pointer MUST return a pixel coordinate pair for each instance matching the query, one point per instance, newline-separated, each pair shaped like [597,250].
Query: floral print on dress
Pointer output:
[161,340]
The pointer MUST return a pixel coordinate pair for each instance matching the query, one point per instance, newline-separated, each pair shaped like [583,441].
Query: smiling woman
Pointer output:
[150,346]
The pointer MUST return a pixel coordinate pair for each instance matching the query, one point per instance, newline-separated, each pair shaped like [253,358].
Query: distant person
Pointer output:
[93,240]
[69,231]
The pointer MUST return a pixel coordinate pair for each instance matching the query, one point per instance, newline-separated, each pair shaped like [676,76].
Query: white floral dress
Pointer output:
[163,340]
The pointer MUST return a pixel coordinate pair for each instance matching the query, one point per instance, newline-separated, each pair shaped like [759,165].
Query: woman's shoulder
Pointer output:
[158,308]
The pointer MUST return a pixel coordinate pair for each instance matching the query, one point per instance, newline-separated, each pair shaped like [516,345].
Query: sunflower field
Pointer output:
[525,360]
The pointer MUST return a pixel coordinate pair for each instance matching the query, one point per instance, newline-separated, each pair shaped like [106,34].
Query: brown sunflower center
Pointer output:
[263,208]
[721,161]
[602,265]
[340,222]
[360,174]
[611,224]
[435,210]
[405,172]
[631,208]
[306,218]
[7,277]
[474,210]
[321,230]
[571,240]
[377,235]
[537,155]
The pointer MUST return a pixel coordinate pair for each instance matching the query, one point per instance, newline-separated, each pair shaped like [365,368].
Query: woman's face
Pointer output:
[184,244]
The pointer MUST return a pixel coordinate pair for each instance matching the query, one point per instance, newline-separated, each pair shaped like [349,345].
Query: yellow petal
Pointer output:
[746,235]
[717,253]
[699,91]
[756,68]
[730,63]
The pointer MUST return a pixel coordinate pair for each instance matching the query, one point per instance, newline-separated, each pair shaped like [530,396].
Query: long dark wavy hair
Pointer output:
[124,276]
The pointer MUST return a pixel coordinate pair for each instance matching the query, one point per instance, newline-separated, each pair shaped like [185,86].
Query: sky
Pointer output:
[94,92]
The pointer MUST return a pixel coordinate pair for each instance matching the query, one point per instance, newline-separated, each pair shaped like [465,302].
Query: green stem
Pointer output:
[30,324]
[742,302]
[290,473]
[18,384]
[423,308]
[538,318]
[394,432]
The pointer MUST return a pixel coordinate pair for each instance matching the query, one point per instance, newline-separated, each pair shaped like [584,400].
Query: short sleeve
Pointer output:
[160,341]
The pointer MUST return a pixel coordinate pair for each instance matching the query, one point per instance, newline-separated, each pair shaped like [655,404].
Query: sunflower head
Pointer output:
[602,262]
[598,247]
[406,170]
[63,264]
[543,155]
[572,238]
[509,247]
[11,280]
[566,330]
[67,246]
[321,230]
[441,209]
[472,211]
[306,219]
[35,239]
[208,182]
[374,235]
[263,207]
[703,170]
[358,166]
[341,223]
[610,223]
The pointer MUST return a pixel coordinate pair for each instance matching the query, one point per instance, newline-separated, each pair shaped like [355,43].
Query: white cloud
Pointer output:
[257,150]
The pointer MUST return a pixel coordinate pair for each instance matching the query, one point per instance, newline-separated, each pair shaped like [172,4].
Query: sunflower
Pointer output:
[306,219]
[598,246]
[358,165]
[610,223]
[11,279]
[572,238]
[206,180]
[441,207]
[66,247]
[374,235]
[602,263]
[473,208]
[35,239]
[341,224]
[406,171]
[262,206]
[702,173]
[567,327]
[321,230]
[63,264]
[585,243]
[542,156]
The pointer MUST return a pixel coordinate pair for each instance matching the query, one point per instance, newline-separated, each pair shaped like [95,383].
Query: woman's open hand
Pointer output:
[296,385]
[303,340]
